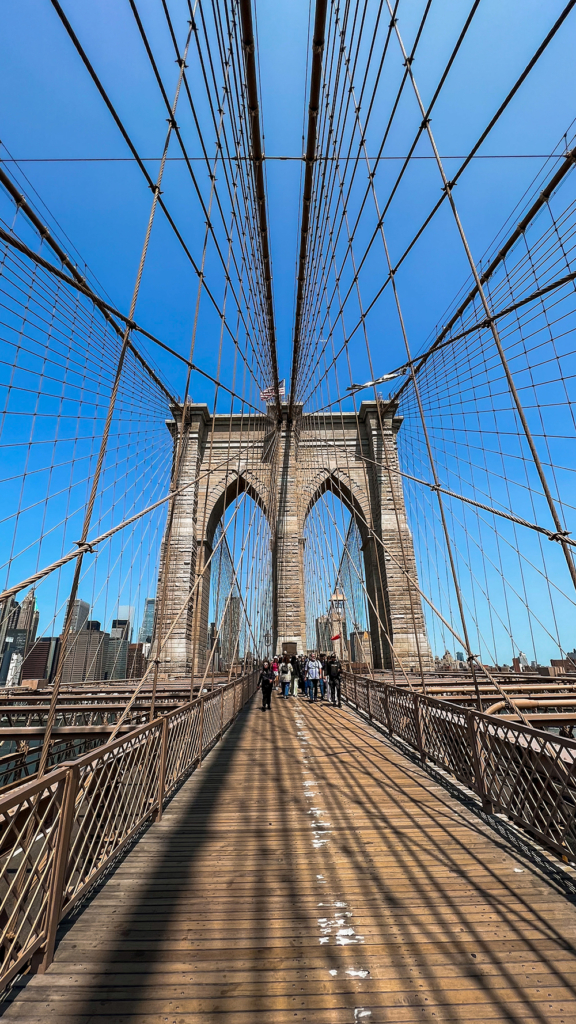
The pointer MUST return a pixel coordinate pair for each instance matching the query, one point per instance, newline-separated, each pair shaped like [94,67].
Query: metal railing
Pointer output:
[527,774]
[59,833]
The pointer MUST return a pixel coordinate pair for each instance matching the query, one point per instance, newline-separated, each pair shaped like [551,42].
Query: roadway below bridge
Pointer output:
[309,871]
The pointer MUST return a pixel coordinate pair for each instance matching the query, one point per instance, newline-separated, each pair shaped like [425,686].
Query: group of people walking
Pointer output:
[319,676]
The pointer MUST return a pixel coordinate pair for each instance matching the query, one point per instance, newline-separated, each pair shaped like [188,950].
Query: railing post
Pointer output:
[356,691]
[418,721]
[368,699]
[58,876]
[477,764]
[162,772]
[221,710]
[387,709]
[201,729]
[234,699]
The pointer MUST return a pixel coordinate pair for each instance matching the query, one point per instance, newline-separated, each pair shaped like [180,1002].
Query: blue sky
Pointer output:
[54,111]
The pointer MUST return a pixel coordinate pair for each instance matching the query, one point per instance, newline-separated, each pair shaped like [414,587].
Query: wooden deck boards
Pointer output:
[309,872]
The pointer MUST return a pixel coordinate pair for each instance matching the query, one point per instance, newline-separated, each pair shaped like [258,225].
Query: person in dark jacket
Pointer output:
[296,669]
[334,673]
[266,682]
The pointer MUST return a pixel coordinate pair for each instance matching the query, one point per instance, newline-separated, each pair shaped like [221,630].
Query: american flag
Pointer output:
[269,394]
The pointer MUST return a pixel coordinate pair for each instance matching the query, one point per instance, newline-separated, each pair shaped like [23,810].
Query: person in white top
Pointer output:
[313,674]
[285,675]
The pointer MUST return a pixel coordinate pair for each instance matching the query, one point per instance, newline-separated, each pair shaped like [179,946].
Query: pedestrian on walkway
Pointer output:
[296,677]
[265,683]
[308,684]
[322,680]
[285,674]
[334,673]
[314,675]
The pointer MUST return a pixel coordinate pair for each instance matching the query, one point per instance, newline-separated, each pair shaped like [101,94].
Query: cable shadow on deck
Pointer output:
[230,909]
[153,892]
[434,906]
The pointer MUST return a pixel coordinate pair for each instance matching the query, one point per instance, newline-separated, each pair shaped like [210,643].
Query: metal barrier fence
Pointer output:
[59,833]
[524,773]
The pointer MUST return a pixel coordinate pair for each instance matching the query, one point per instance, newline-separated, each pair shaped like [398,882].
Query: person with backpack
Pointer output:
[285,675]
[265,683]
[334,673]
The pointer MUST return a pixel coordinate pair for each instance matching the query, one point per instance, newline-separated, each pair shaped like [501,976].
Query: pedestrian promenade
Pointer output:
[309,872]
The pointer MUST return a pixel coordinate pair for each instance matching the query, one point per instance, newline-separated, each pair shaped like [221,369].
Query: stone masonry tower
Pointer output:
[286,467]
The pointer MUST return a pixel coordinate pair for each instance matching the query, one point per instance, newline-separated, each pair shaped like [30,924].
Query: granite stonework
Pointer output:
[285,467]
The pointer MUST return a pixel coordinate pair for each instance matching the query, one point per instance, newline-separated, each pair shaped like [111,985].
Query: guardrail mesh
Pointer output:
[527,774]
[59,833]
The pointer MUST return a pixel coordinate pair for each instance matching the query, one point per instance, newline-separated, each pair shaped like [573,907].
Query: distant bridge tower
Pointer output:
[285,468]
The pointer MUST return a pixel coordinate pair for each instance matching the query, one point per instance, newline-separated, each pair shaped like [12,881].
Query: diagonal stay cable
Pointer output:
[313,108]
[108,311]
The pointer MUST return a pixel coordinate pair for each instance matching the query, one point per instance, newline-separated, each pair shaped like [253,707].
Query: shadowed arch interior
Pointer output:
[239,485]
[317,603]
[336,485]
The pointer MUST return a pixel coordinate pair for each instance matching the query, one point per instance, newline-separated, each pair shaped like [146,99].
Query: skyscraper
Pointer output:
[230,633]
[26,613]
[137,661]
[15,642]
[116,659]
[84,654]
[147,627]
[80,612]
[41,660]
[323,634]
[18,625]
[9,610]
[126,612]
[361,647]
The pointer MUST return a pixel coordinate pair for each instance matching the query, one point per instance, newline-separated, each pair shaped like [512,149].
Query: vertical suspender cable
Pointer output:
[313,107]
[258,166]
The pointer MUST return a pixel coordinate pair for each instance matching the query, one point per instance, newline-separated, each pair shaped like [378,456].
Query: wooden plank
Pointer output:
[241,907]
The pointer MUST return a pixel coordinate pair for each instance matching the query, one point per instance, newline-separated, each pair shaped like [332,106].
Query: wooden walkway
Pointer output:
[309,872]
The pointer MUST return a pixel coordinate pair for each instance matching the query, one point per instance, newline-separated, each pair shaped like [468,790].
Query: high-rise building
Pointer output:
[84,654]
[213,647]
[361,647]
[8,614]
[15,642]
[41,659]
[147,627]
[126,612]
[80,613]
[230,633]
[14,672]
[323,635]
[116,662]
[18,626]
[26,613]
[9,610]
[137,660]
